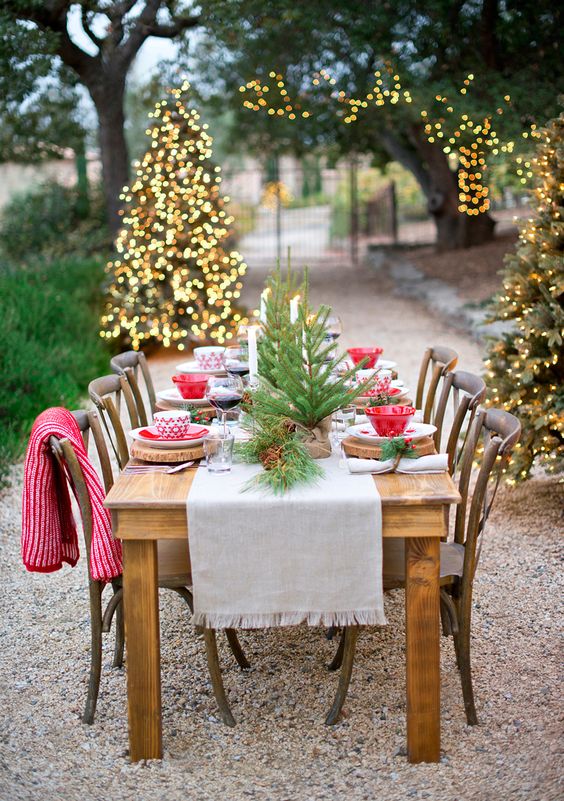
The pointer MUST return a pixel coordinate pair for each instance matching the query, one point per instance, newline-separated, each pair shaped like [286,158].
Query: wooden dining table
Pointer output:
[150,507]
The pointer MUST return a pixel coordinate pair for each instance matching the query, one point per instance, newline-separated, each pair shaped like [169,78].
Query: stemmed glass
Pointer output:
[236,361]
[333,328]
[224,393]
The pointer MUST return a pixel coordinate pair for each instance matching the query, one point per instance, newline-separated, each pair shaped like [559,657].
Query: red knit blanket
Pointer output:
[48,529]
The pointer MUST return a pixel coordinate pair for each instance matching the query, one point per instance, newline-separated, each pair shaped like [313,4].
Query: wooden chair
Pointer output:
[467,391]
[496,432]
[130,363]
[439,361]
[173,569]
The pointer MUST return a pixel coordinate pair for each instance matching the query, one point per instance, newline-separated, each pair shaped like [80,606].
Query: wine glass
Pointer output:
[333,328]
[224,393]
[236,361]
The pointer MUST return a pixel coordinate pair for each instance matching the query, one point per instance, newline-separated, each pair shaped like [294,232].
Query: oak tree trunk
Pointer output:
[429,165]
[108,98]
[455,229]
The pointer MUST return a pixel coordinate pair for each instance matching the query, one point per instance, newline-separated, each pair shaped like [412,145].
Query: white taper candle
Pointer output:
[253,355]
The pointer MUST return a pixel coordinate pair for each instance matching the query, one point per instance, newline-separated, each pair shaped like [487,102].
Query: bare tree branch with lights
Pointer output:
[174,279]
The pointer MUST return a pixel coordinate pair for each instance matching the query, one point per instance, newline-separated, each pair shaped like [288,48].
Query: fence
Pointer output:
[326,216]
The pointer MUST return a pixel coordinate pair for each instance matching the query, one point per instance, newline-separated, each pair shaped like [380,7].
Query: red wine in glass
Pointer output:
[225,402]
[224,393]
[237,369]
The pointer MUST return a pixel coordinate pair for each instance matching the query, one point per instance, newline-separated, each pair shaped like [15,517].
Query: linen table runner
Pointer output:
[311,555]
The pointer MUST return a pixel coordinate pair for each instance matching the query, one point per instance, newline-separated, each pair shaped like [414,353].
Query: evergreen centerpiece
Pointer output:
[300,378]
[174,277]
[289,414]
[525,368]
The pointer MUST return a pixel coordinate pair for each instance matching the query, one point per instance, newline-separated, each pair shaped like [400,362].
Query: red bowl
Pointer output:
[192,385]
[372,354]
[389,421]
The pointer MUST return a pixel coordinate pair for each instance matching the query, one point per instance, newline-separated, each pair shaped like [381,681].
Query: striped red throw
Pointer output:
[49,535]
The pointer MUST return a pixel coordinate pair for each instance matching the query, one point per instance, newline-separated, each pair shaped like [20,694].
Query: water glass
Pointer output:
[343,418]
[218,448]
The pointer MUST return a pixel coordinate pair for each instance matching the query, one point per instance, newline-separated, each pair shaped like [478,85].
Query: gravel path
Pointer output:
[281,748]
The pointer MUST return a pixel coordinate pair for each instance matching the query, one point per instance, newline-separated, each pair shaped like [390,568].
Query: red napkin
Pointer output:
[193,433]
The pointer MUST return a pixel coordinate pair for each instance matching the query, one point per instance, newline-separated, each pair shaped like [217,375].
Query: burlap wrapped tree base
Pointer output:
[317,440]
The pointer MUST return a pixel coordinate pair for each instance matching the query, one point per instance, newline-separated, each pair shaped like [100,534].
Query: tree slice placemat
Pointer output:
[164,406]
[148,454]
[366,450]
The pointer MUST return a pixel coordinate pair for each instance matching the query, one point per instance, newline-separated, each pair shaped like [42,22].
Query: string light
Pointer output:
[466,142]
[172,280]
[525,368]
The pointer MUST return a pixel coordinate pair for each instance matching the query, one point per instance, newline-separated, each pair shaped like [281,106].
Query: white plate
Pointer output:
[166,444]
[401,394]
[174,397]
[414,431]
[381,364]
[397,382]
[386,364]
[192,367]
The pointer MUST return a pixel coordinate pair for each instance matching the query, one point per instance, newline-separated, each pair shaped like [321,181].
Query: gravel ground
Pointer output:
[281,748]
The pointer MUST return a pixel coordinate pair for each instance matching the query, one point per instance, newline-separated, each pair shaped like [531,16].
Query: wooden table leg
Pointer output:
[422,648]
[142,639]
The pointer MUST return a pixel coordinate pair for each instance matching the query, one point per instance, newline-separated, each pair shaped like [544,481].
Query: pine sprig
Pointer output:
[277,446]
[398,446]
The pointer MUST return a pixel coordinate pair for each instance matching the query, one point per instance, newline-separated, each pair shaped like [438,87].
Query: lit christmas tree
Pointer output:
[526,366]
[173,279]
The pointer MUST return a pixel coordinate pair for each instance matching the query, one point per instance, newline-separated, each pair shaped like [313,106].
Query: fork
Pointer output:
[156,468]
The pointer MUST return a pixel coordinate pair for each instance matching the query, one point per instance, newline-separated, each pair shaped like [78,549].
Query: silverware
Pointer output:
[136,469]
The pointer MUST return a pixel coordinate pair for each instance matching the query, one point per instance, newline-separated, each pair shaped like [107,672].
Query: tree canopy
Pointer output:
[510,49]
[115,32]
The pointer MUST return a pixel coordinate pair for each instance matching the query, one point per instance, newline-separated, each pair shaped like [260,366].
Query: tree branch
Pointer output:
[174,29]
[88,30]
[140,32]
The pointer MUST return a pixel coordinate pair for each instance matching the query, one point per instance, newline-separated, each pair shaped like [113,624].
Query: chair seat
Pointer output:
[174,563]
[393,566]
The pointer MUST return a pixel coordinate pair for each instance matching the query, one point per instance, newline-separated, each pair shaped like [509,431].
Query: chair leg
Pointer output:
[120,638]
[337,660]
[462,648]
[236,649]
[445,620]
[186,595]
[95,592]
[216,678]
[449,615]
[350,634]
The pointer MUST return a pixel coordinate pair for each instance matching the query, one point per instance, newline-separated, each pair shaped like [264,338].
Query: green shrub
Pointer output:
[46,220]
[51,348]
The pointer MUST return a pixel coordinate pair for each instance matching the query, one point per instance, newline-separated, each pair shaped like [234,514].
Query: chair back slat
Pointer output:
[422,376]
[491,438]
[131,378]
[101,450]
[136,361]
[443,360]
[473,389]
[105,393]
[469,454]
